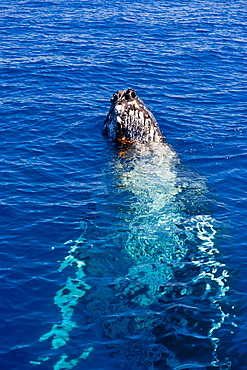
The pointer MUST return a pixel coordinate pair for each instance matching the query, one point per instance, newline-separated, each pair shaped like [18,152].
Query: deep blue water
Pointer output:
[60,63]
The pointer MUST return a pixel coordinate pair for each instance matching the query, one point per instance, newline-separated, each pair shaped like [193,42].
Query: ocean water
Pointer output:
[111,262]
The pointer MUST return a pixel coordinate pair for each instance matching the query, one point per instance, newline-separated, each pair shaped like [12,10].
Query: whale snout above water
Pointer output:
[130,121]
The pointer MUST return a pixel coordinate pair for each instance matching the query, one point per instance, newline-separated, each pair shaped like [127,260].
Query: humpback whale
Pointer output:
[154,288]
[171,243]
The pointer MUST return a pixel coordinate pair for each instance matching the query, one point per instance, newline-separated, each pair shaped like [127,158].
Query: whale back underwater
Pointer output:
[164,288]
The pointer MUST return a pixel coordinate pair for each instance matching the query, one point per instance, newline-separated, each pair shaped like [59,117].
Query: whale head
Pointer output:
[130,121]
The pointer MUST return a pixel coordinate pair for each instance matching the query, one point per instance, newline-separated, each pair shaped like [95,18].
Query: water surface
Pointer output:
[60,188]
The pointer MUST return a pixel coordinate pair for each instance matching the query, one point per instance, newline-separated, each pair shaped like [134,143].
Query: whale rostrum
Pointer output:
[130,121]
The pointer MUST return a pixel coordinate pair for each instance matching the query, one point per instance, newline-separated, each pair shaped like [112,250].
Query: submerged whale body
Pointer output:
[153,287]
